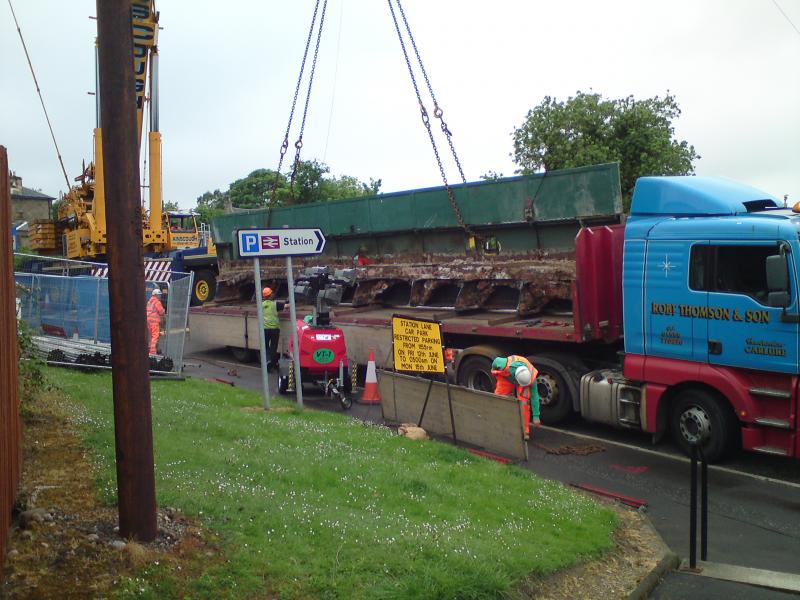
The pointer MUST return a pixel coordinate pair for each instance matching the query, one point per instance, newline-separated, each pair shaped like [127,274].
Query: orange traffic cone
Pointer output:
[371,394]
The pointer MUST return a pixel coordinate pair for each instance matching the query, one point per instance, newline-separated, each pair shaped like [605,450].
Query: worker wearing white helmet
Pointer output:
[515,375]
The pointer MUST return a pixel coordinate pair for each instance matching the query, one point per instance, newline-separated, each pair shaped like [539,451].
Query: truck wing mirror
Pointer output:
[778,283]
[779,299]
[777,273]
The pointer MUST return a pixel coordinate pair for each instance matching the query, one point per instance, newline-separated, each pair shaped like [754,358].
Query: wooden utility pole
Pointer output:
[129,359]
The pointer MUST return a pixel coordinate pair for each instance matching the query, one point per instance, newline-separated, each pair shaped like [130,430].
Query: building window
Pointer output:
[731,269]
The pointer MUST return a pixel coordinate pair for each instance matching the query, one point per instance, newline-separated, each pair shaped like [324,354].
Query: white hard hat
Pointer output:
[156,292]
[523,376]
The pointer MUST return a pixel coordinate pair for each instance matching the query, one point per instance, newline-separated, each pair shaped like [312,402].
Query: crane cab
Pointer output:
[181,228]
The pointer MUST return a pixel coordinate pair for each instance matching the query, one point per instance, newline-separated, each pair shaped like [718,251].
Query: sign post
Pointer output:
[417,348]
[262,344]
[298,380]
[272,243]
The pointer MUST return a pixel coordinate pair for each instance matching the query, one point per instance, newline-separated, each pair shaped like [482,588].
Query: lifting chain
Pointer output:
[299,143]
[437,113]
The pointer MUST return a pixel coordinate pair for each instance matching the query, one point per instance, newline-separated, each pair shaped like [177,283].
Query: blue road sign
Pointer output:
[269,243]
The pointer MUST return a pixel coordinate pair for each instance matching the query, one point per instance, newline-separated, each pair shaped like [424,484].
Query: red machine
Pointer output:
[323,361]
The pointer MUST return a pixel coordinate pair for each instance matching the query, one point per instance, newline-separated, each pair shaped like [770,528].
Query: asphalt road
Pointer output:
[754,501]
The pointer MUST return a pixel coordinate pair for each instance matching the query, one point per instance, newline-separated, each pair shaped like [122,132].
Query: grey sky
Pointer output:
[228,71]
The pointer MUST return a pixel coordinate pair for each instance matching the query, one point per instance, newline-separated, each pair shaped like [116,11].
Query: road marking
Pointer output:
[683,459]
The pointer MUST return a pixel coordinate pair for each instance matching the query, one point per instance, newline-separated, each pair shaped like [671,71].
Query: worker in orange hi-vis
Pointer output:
[515,375]
[155,310]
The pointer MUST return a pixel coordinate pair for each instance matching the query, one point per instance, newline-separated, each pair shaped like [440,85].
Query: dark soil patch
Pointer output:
[64,542]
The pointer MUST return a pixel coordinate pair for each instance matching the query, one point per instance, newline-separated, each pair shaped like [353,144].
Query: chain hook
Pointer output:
[437,113]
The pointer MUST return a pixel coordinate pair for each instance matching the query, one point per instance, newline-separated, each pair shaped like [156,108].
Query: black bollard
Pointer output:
[693,510]
[703,505]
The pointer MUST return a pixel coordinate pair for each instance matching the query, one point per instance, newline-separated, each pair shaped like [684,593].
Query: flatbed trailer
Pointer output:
[704,275]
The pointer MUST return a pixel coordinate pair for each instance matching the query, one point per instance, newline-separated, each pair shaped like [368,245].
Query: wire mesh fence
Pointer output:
[178,300]
[66,305]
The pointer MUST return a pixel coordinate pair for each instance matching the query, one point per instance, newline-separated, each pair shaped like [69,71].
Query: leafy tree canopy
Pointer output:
[587,129]
[312,183]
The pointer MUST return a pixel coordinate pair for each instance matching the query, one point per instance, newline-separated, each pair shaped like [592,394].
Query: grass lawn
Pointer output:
[316,505]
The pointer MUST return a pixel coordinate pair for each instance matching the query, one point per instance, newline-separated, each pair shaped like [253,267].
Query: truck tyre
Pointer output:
[695,411]
[555,396]
[475,372]
[204,287]
[243,354]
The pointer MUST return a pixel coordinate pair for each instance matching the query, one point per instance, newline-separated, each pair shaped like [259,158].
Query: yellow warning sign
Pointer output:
[417,345]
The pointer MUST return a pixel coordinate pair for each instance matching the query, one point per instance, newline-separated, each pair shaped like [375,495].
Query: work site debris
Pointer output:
[411,431]
[87,353]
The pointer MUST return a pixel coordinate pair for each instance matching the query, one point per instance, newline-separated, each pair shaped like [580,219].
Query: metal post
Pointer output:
[96,310]
[167,313]
[186,318]
[450,404]
[262,342]
[129,359]
[168,319]
[703,505]
[298,382]
[693,510]
[424,404]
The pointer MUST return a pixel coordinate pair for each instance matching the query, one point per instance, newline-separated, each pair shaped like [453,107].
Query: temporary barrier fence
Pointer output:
[66,304]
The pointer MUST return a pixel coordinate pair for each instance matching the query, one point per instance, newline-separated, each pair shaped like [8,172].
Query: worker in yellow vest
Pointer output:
[272,327]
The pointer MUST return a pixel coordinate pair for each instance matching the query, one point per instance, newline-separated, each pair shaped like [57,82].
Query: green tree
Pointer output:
[252,191]
[587,129]
[56,207]
[171,206]
[263,188]
[209,205]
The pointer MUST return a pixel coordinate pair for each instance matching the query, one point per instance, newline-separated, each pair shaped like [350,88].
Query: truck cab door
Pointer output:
[668,291]
[746,323]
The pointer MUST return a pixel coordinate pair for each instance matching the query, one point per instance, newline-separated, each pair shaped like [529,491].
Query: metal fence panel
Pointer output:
[66,304]
[178,300]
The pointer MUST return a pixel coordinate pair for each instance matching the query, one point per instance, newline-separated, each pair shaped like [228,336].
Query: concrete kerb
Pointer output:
[669,562]
[774,580]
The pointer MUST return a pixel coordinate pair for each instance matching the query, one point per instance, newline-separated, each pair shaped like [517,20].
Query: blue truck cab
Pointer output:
[710,293]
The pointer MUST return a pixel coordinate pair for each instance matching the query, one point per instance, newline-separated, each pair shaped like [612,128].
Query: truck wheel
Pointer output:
[204,288]
[243,354]
[698,412]
[555,398]
[475,372]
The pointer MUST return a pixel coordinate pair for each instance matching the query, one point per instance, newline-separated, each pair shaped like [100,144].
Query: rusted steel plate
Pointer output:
[525,285]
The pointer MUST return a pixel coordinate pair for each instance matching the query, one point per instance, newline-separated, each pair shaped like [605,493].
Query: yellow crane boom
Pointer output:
[81,222]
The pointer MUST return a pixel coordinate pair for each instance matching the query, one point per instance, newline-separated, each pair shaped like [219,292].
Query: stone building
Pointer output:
[27,206]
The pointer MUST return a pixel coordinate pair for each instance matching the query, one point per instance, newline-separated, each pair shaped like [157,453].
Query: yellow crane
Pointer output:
[81,224]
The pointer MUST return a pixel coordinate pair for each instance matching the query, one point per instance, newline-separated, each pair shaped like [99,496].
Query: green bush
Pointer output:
[31,377]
